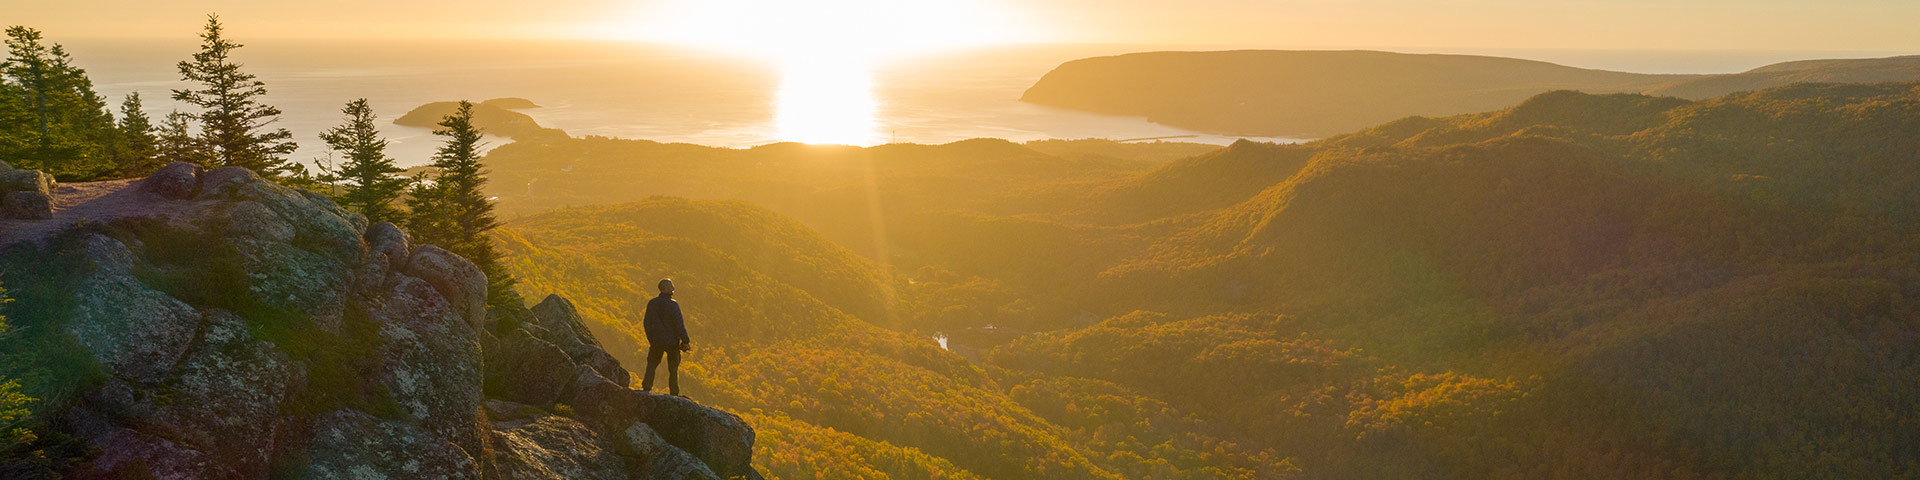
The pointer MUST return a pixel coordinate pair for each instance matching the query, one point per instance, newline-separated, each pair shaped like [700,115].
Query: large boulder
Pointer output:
[136,332]
[130,453]
[429,362]
[223,403]
[552,447]
[719,439]
[458,280]
[659,459]
[528,370]
[26,181]
[177,180]
[25,194]
[390,243]
[26,205]
[352,445]
[559,323]
[227,182]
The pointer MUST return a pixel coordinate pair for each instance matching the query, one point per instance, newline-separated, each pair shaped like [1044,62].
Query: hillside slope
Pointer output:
[1575,286]
[1308,93]
[215,325]
[1673,273]
[1320,93]
[783,326]
[1866,70]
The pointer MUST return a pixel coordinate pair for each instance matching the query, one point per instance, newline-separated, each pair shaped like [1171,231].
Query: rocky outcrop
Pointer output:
[25,194]
[216,325]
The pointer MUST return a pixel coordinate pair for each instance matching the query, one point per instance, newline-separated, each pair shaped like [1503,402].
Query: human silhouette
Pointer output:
[666,336]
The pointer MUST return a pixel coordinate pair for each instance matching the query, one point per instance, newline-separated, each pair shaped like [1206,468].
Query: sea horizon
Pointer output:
[676,94]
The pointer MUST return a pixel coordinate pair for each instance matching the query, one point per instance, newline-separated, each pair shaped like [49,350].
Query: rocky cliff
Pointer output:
[214,325]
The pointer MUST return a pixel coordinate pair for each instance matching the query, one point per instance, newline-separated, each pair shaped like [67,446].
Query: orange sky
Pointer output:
[1885,25]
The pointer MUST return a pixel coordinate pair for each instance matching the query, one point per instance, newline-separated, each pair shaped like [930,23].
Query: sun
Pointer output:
[825,49]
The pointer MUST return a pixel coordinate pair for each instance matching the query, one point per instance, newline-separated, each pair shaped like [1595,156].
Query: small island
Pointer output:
[496,116]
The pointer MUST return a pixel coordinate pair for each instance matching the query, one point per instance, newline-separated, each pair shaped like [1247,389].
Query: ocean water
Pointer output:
[673,94]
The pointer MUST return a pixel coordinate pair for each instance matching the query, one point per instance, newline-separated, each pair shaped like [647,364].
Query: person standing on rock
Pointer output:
[666,336]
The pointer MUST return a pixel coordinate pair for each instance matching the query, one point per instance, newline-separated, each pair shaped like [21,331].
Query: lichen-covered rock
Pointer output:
[556,448]
[223,402]
[430,362]
[528,370]
[136,332]
[222,326]
[461,283]
[720,440]
[558,316]
[584,377]
[27,204]
[177,180]
[352,445]
[128,453]
[660,459]
[26,181]
[227,182]
[390,243]
[560,324]
[227,395]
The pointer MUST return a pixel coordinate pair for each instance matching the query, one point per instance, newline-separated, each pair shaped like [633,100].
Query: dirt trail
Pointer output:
[76,203]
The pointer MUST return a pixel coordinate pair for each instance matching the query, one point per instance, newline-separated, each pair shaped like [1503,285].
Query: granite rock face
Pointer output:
[25,194]
[223,326]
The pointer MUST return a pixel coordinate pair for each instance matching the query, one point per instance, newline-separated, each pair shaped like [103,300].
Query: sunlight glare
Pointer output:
[825,48]
[826,102]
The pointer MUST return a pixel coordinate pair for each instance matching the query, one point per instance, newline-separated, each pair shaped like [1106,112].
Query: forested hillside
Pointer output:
[1313,93]
[788,326]
[1594,286]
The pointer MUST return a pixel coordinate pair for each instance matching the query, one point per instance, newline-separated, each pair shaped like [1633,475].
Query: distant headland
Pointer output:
[1319,93]
[496,116]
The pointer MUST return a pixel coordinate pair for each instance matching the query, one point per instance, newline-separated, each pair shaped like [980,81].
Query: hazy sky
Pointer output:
[1875,25]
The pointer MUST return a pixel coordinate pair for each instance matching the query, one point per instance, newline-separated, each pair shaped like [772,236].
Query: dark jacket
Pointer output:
[663,323]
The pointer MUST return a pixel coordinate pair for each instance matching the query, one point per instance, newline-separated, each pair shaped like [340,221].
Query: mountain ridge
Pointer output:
[1317,93]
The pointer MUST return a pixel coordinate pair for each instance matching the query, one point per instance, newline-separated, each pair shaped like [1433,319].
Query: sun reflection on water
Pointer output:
[827,101]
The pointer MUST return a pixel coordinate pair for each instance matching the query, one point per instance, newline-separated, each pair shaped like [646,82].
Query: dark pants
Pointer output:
[673,368]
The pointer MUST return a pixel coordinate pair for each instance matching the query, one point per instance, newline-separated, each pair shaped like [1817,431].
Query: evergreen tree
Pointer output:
[13,405]
[18,132]
[453,212]
[177,142]
[68,127]
[136,150]
[235,128]
[29,68]
[369,182]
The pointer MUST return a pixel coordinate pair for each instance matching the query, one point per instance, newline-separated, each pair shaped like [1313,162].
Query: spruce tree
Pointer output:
[136,150]
[69,127]
[30,70]
[178,143]
[235,128]
[18,132]
[453,212]
[369,183]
